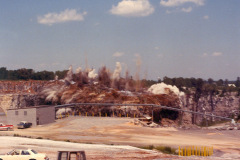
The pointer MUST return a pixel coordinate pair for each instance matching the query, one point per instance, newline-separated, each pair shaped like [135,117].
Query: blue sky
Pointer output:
[174,38]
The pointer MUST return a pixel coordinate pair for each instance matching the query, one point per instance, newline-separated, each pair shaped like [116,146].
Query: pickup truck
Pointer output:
[28,154]
[6,127]
[24,124]
[71,155]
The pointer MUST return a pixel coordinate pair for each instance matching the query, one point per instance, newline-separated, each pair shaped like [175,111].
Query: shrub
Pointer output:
[16,135]
[163,149]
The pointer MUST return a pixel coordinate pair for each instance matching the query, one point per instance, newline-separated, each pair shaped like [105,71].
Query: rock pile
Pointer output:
[229,126]
[145,123]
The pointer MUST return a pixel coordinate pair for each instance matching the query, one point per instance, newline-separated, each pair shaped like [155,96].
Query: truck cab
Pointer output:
[71,155]
[24,124]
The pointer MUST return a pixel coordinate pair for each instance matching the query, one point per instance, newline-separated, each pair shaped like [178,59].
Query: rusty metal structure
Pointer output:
[73,105]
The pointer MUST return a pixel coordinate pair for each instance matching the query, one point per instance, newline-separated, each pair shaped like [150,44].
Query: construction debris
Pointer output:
[146,121]
[229,126]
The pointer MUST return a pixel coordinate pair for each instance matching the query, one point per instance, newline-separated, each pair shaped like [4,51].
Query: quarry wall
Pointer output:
[19,94]
[20,87]
[11,101]
[25,93]
[225,106]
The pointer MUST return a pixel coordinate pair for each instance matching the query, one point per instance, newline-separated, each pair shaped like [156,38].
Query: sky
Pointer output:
[174,38]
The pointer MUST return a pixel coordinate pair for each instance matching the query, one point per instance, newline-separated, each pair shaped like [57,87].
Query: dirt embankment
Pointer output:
[92,151]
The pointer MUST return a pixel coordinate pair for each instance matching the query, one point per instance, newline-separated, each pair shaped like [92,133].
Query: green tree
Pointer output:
[24,74]
[237,82]
[226,82]
[179,82]
[193,82]
[167,80]
[61,74]
[12,75]
[197,95]
[147,83]
[3,73]
[220,82]
[43,75]
[188,82]
[210,81]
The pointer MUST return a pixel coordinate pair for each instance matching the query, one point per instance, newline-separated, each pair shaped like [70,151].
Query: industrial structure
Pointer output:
[44,114]
[37,115]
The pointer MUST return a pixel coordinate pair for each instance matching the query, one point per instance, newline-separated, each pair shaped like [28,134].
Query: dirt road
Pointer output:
[119,131]
[93,151]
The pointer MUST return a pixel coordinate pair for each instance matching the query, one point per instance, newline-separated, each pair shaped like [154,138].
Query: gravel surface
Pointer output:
[119,131]
[93,151]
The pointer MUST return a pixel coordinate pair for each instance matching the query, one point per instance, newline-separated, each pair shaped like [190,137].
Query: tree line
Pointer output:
[184,84]
[204,85]
[27,74]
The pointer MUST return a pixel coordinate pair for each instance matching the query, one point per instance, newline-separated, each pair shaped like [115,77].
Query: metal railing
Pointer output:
[150,105]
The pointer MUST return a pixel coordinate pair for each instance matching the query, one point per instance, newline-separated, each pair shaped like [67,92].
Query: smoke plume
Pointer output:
[68,79]
[92,74]
[104,76]
[78,70]
[117,71]
[162,88]
[138,64]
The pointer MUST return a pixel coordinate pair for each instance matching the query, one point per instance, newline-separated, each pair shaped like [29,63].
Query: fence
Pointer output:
[195,150]
[86,114]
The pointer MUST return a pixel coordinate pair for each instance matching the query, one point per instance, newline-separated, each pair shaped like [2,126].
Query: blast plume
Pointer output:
[68,79]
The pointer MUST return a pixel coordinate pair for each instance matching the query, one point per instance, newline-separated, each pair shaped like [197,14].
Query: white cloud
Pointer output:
[215,54]
[132,8]
[204,55]
[118,54]
[187,10]
[169,12]
[174,3]
[65,16]
[97,24]
[206,17]
[177,10]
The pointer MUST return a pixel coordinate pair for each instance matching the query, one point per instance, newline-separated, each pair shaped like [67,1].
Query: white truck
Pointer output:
[28,154]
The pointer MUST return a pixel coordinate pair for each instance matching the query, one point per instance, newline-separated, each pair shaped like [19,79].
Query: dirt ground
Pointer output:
[92,151]
[120,131]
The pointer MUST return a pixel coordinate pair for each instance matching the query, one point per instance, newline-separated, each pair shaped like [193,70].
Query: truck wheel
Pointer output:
[32,159]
